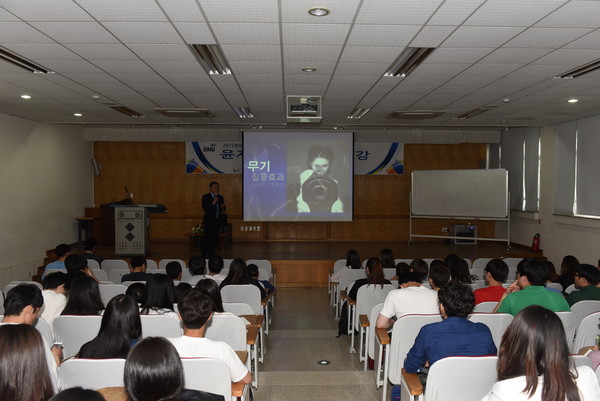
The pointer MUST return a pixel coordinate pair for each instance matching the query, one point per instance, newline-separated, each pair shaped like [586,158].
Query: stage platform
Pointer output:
[305,264]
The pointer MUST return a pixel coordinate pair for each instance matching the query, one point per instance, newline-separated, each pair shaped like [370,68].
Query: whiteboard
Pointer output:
[460,193]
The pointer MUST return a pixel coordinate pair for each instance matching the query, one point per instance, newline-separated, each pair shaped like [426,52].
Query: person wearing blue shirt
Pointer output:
[455,335]
[61,251]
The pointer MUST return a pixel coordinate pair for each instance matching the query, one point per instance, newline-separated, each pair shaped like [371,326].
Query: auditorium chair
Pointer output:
[569,321]
[15,283]
[366,297]
[109,291]
[210,375]
[555,286]
[248,294]
[337,265]
[110,264]
[93,264]
[160,326]
[156,271]
[244,310]
[570,289]
[587,331]
[583,308]
[92,373]
[367,331]
[496,322]
[478,267]
[74,331]
[389,273]
[44,328]
[407,261]
[185,273]
[151,264]
[455,378]
[485,307]
[116,274]
[99,273]
[392,353]
[346,278]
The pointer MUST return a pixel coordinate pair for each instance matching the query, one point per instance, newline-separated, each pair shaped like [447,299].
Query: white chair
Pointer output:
[580,360]
[586,332]
[366,298]
[583,308]
[156,271]
[485,307]
[93,264]
[110,264]
[477,284]
[1,304]
[99,273]
[238,308]
[512,263]
[115,275]
[569,321]
[227,263]
[429,260]
[162,264]
[407,261]
[404,332]
[247,294]
[13,284]
[151,264]
[348,276]
[496,322]
[369,333]
[337,265]
[262,264]
[570,289]
[389,273]
[469,262]
[92,373]
[109,291]
[128,283]
[160,326]
[457,378]
[477,271]
[480,263]
[207,374]
[46,272]
[44,328]
[555,286]
[74,331]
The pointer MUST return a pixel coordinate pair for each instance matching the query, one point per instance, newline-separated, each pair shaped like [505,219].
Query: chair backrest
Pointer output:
[115,275]
[263,274]
[238,308]
[407,261]
[372,324]
[403,337]
[262,264]
[580,360]
[13,284]
[469,377]
[367,297]
[569,321]
[156,271]
[109,291]
[339,264]
[44,328]
[227,263]
[480,263]
[469,262]
[512,262]
[93,264]
[389,273]
[477,284]
[485,307]
[1,304]
[74,331]
[230,329]
[92,373]
[100,274]
[586,332]
[570,289]
[583,308]
[496,322]
[555,286]
[162,264]
[160,326]
[429,260]
[109,264]
[151,264]
[348,276]
[128,283]
[207,374]
[477,271]
[244,293]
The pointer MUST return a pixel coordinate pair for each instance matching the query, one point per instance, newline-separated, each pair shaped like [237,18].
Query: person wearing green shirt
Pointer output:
[587,278]
[528,289]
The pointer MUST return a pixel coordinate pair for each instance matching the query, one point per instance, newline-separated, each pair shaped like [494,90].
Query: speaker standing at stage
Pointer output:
[213,205]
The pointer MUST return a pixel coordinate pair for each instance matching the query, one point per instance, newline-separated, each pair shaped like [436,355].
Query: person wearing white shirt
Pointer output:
[215,266]
[196,266]
[54,296]
[195,310]
[533,362]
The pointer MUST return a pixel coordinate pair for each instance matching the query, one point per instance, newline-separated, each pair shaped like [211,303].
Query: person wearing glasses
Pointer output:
[586,279]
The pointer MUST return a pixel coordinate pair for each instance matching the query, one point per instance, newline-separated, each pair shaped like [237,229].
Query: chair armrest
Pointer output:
[351,301]
[243,355]
[412,382]
[237,389]
[382,336]
[266,300]
[330,271]
[364,320]
[260,319]
[343,294]
[251,335]
[335,282]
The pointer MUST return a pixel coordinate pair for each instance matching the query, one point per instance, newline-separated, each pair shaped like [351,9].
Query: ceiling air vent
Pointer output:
[126,110]
[21,62]
[472,113]
[186,113]
[415,114]
[212,59]
[582,70]
[408,60]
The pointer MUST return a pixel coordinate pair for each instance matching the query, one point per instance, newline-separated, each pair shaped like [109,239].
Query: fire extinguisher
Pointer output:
[535,244]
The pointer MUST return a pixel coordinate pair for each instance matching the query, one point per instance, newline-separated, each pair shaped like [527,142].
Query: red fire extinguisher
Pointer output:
[535,244]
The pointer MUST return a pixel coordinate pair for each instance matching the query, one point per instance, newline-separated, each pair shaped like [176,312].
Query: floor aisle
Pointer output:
[303,332]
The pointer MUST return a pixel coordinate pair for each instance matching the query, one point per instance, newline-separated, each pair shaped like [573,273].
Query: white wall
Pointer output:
[46,180]
[560,235]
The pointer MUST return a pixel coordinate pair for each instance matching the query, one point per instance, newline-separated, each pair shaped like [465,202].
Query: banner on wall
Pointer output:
[226,158]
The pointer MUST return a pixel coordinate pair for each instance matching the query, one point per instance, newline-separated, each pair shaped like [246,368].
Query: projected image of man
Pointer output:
[318,189]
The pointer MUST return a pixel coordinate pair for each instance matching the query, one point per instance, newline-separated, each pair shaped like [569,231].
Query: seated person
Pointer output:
[439,275]
[54,296]
[237,276]
[61,251]
[410,298]
[195,310]
[533,363]
[77,267]
[568,266]
[420,266]
[89,246]
[253,274]
[352,262]
[587,278]
[215,265]
[78,394]
[137,270]
[196,266]
[494,274]
[159,296]
[181,288]
[529,289]
[84,298]
[21,306]
[174,271]
[136,291]
[455,335]
[401,268]
[120,329]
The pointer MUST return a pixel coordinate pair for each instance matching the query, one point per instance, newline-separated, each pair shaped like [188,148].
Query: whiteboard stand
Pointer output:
[412,216]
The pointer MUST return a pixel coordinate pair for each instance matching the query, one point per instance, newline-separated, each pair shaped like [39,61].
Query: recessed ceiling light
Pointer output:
[95,97]
[573,100]
[319,11]
[309,69]
[78,114]
[25,96]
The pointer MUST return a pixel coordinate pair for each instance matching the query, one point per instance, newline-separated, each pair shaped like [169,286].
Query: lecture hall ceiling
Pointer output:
[500,55]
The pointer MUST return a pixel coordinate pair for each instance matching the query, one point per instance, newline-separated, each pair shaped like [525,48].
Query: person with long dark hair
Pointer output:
[84,297]
[352,262]
[533,362]
[159,296]
[24,374]
[119,331]
[459,271]
[78,394]
[387,258]
[212,288]
[568,268]
[237,276]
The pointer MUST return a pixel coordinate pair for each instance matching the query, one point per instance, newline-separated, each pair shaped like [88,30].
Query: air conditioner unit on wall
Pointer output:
[303,109]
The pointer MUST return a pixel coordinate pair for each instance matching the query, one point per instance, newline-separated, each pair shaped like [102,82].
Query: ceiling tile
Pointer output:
[163,52]
[102,51]
[144,32]
[19,32]
[5,16]
[591,41]
[342,12]
[315,34]
[304,79]
[470,36]
[76,32]
[510,55]
[241,10]
[574,14]
[550,38]
[195,32]
[512,12]
[123,66]
[246,33]
[383,35]
[46,10]
[252,52]
[369,54]
[120,10]
[34,51]
[182,10]
[432,36]
[573,57]
[491,70]
[311,54]
[454,12]
[255,67]
[350,68]
[295,67]
[397,12]
[447,55]
[63,66]
[177,67]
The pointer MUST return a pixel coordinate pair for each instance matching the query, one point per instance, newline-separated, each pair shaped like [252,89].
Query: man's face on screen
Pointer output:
[320,165]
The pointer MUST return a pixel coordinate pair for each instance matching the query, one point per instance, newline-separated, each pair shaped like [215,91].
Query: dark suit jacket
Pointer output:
[210,210]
